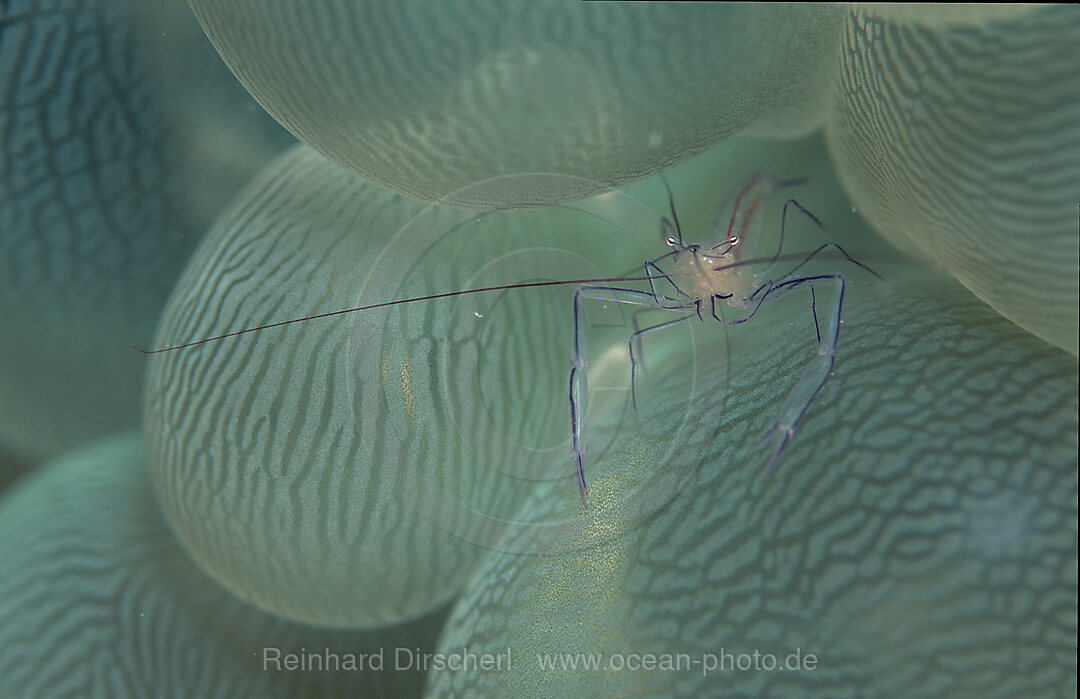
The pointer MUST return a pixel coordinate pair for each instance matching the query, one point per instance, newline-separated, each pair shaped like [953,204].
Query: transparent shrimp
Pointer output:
[719,271]
[701,275]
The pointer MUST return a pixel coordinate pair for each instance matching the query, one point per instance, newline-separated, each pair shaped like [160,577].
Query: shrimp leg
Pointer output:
[817,371]
[578,385]
[641,352]
[821,229]
[662,301]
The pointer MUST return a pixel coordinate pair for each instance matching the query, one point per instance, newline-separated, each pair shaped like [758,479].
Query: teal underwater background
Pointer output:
[395,482]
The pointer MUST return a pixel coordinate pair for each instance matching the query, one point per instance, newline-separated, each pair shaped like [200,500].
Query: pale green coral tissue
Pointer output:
[607,92]
[960,144]
[106,182]
[98,598]
[923,517]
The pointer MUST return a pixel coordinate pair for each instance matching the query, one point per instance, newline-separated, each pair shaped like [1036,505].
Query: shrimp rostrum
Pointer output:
[701,277]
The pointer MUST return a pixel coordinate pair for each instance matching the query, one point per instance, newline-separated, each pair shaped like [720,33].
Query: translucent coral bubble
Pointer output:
[961,145]
[924,517]
[376,453]
[428,98]
[262,466]
[100,599]
[101,202]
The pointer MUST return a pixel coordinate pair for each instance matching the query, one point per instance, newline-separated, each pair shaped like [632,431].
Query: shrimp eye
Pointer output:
[672,242]
[733,240]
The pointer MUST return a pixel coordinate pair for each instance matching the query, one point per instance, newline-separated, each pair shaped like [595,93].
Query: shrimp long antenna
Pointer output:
[447,294]
[430,297]
[671,205]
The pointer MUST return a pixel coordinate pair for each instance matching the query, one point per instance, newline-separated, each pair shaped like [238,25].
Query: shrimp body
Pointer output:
[706,271]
